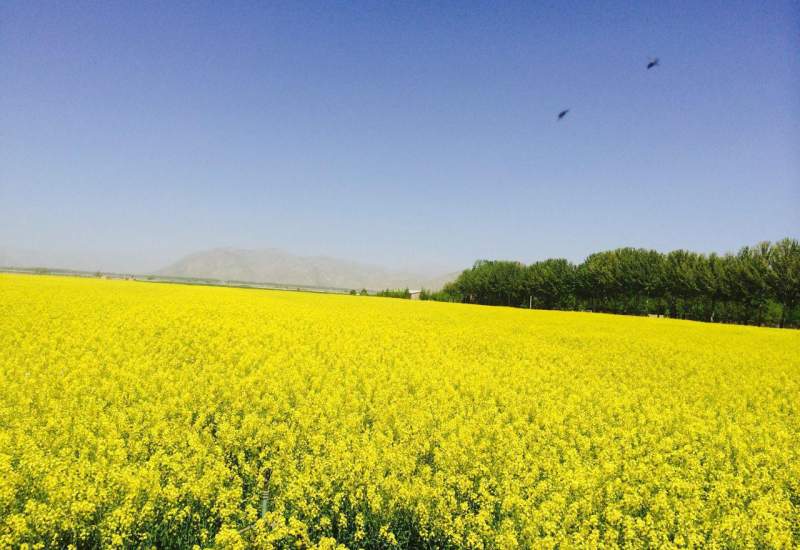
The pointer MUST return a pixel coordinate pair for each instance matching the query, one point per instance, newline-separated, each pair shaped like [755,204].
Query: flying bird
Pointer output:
[562,114]
[653,63]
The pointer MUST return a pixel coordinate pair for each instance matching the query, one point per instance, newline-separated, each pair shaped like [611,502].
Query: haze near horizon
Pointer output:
[411,136]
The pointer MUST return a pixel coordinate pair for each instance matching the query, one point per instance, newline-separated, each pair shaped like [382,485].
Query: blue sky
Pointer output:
[403,134]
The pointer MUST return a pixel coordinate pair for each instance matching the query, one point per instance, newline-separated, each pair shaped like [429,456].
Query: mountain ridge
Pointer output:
[272,265]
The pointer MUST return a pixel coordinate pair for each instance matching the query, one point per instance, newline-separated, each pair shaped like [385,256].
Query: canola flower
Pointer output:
[146,415]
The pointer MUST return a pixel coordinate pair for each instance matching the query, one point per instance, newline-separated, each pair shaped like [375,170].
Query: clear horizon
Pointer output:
[409,136]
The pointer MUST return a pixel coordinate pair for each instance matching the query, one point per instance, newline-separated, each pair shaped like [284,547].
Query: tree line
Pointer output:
[386,293]
[759,285]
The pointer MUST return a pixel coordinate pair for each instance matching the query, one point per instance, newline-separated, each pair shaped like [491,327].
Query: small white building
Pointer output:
[415,294]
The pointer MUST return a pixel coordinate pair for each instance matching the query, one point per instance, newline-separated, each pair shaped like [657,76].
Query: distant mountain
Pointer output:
[17,257]
[276,266]
[71,260]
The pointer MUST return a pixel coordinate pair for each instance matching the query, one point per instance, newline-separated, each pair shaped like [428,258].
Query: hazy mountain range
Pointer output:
[261,266]
[276,266]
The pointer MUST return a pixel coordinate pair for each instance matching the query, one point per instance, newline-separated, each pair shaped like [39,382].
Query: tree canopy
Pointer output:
[758,285]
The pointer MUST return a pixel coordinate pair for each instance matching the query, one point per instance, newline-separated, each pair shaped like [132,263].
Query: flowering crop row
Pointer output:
[137,415]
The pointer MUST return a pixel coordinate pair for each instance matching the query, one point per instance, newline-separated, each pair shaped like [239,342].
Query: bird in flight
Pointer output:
[562,114]
[653,63]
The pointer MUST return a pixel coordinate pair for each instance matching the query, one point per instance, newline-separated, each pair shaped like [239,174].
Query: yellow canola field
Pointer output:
[138,414]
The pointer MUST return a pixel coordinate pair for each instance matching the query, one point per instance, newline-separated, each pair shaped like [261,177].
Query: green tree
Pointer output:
[550,284]
[758,284]
[783,276]
[751,280]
